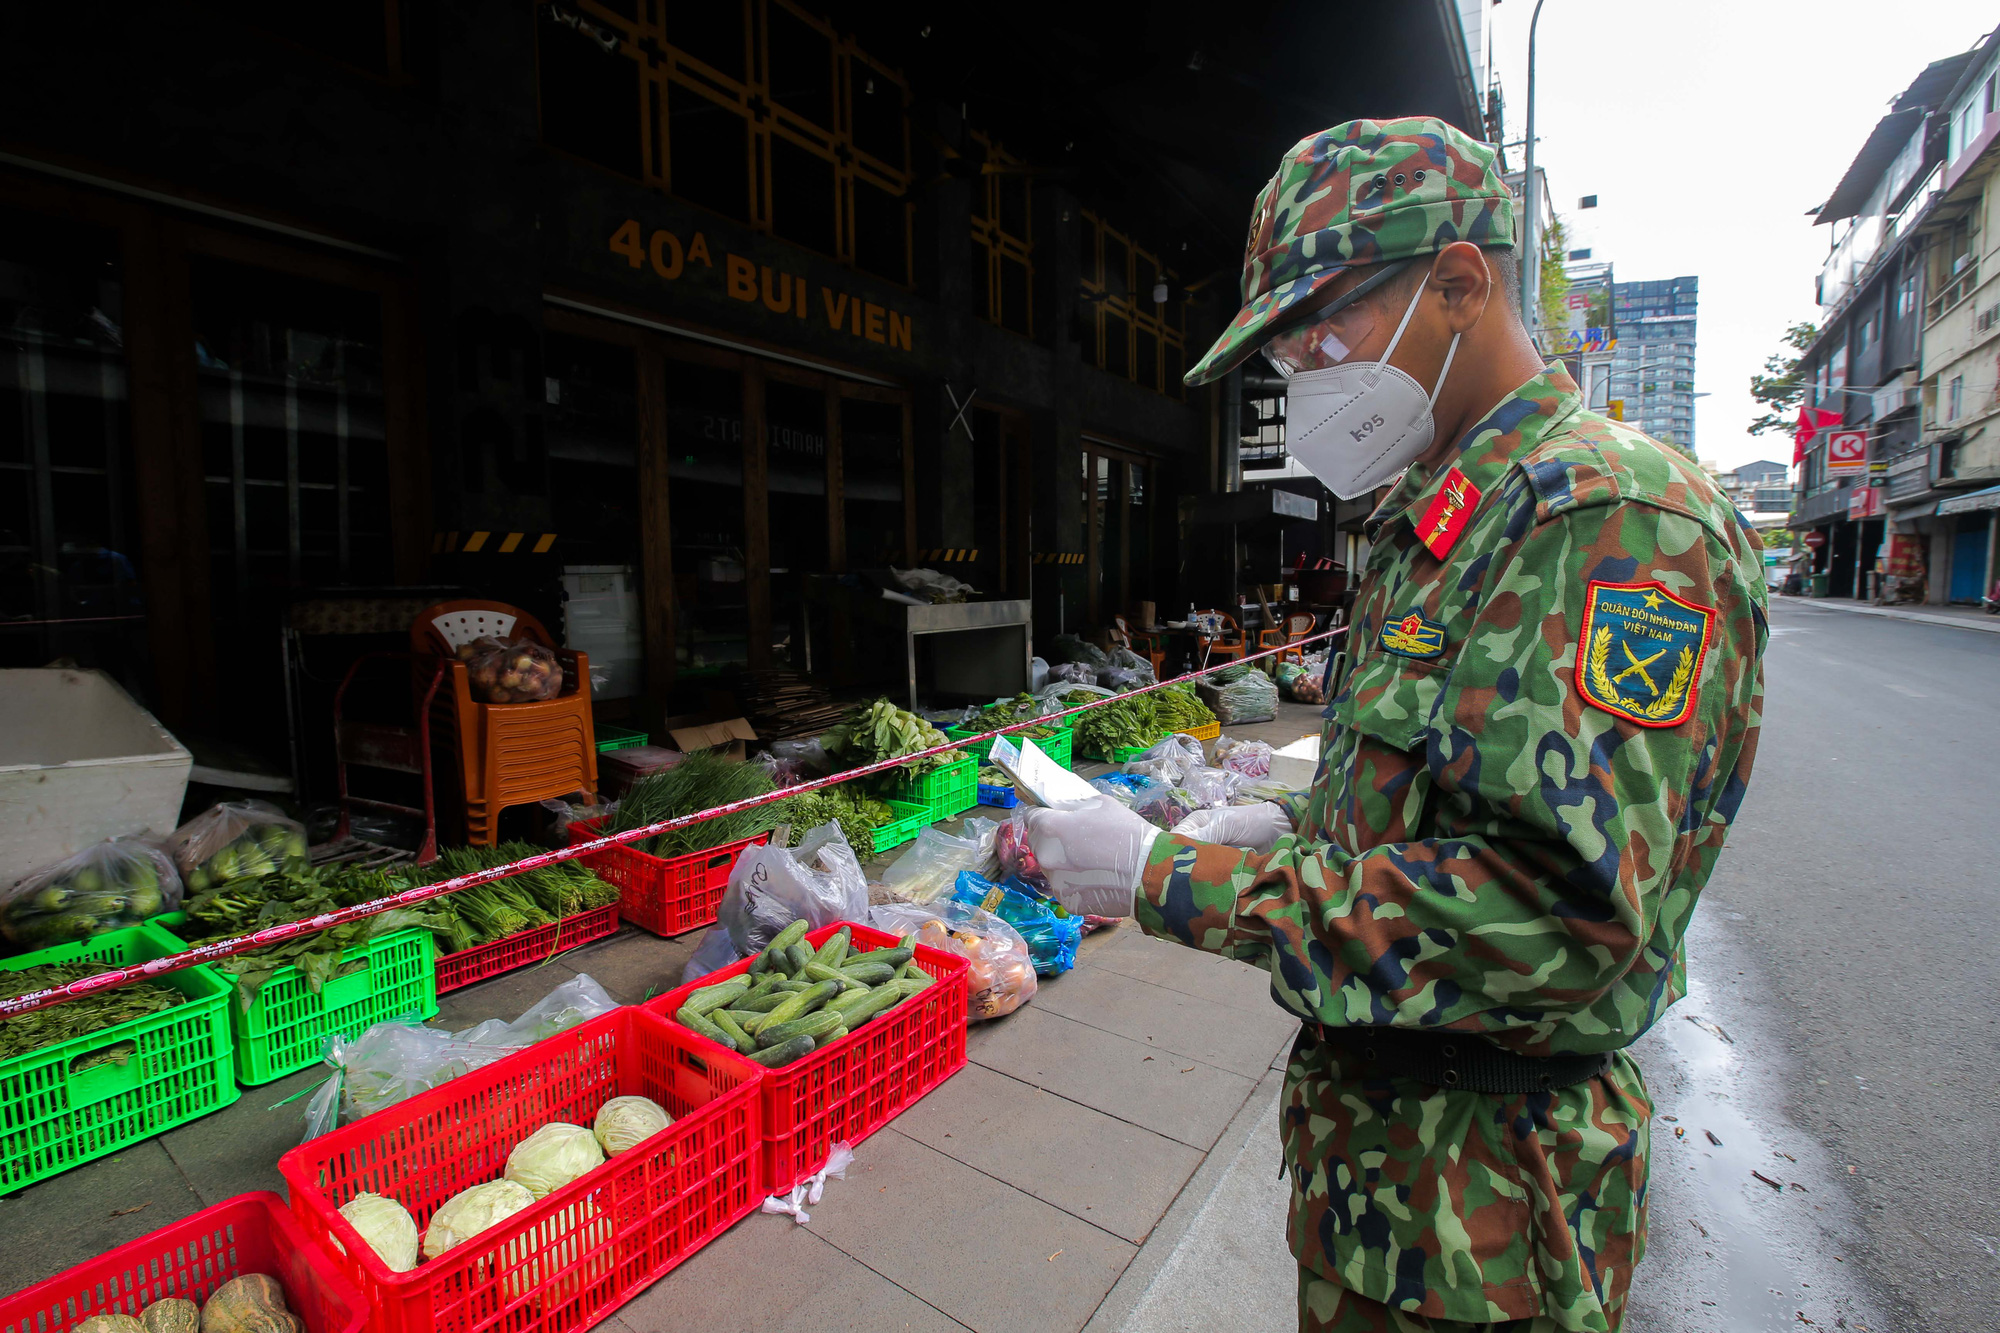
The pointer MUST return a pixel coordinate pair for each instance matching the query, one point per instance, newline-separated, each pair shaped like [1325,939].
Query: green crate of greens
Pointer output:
[285,1030]
[945,783]
[910,820]
[1053,739]
[93,1075]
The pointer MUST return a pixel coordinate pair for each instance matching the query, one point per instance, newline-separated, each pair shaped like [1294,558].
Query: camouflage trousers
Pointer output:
[1328,1307]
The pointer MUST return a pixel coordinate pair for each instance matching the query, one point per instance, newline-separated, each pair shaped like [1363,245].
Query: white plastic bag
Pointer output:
[1002,975]
[1253,697]
[770,887]
[1212,788]
[927,871]
[1126,671]
[108,885]
[1168,761]
[393,1061]
[236,840]
[1251,759]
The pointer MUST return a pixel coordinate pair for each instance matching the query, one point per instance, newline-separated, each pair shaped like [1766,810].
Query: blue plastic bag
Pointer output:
[1051,939]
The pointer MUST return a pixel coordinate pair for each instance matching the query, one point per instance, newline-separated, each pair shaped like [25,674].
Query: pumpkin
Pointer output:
[172,1315]
[253,1303]
[110,1323]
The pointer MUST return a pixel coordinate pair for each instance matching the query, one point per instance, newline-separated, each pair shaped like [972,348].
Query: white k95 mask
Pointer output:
[1356,426]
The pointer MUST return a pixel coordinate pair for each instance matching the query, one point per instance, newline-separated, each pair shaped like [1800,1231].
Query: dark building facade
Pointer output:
[420,297]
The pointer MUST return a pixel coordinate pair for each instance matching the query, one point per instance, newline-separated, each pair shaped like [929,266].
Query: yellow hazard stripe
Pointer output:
[447,543]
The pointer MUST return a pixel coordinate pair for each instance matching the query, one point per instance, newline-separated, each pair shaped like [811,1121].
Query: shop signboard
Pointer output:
[1846,451]
[1864,502]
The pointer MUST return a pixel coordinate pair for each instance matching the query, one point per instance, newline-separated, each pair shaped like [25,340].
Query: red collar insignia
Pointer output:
[1448,513]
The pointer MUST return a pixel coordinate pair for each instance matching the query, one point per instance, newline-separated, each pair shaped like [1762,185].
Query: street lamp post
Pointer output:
[1531,258]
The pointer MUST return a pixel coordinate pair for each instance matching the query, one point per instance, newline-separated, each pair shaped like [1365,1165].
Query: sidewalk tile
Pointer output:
[966,1243]
[769,1275]
[1227,1037]
[634,964]
[1094,1167]
[1205,976]
[237,1148]
[63,1221]
[1177,1096]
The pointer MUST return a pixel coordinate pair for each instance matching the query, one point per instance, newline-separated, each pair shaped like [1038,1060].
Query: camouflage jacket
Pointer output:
[1533,750]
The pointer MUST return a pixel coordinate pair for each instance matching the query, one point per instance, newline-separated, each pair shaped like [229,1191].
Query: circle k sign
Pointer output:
[1847,451]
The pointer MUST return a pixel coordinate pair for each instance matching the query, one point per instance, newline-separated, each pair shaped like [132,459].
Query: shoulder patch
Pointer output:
[1641,650]
[1413,636]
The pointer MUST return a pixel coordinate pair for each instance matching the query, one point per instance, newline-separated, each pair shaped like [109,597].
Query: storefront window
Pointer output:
[295,466]
[760,111]
[1137,338]
[871,452]
[705,490]
[795,426]
[591,426]
[69,585]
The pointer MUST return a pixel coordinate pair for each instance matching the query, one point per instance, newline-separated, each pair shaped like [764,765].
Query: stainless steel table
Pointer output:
[981,649]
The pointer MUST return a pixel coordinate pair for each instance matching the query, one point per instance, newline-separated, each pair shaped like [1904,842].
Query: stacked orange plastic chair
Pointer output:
[507,754]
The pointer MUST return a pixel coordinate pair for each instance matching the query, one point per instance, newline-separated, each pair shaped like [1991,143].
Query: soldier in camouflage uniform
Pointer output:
[1535,742]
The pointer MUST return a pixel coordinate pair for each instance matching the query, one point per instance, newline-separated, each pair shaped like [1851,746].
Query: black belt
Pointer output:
[1456,1061]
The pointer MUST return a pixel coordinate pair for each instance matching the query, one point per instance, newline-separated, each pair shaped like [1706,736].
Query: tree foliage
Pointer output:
[1781,388]
[1553,300]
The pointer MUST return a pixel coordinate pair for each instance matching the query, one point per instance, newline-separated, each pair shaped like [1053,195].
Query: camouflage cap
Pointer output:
[1359,193]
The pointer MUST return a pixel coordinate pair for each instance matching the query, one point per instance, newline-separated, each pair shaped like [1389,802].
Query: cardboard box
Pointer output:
[731,737]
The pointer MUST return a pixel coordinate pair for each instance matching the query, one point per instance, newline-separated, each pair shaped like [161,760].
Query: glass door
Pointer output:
[795,432]
[704,442]
[69,587]
[1118,533]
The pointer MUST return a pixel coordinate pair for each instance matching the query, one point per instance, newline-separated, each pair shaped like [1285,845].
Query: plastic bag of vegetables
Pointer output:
[1251,697]
[513,671]
[237,840]
[1002,976]
[107,886]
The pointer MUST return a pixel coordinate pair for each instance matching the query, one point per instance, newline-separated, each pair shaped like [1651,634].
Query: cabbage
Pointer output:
[551,1157]
[625,1122]
[387,1226]
[470,1211]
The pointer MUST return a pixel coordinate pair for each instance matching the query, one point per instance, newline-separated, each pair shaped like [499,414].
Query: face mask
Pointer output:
[1356,426]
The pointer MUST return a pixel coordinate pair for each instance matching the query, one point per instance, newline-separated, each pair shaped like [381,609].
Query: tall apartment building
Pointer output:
[1652,368]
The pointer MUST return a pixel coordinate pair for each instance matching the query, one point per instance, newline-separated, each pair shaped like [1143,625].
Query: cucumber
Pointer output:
[821,972]
[764,985]
[768,963]
[908,986]
[710,998]
[724,1020]
[872,974]
[771,1057]
[790,987]
[797,1006]
[760,1004]
[877,1001]
[893,957]
[699,1023]
[815,1026]
[799,955]
[835,947]
[789,936]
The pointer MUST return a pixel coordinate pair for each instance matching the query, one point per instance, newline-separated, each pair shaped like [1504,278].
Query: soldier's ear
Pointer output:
[1463,279]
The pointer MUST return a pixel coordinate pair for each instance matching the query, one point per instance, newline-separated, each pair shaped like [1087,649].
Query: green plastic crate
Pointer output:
[53,1118]
[1124,754]
[909,822]
[617,738]
[286,1030]
[1056,747]
[945,792]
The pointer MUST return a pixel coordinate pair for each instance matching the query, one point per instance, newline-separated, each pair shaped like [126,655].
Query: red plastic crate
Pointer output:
[582,1251]
[251,1233]
[863,1081]
[524,947]
[668,896]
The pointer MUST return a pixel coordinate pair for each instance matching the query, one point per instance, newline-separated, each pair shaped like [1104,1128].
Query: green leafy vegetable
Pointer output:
[873,732]
[78,1017]
[698,782]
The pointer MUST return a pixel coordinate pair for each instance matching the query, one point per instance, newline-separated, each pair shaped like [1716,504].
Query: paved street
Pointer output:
[1843,967]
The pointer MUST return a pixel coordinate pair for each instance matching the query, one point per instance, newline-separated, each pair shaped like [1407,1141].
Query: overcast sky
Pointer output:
[1706,129]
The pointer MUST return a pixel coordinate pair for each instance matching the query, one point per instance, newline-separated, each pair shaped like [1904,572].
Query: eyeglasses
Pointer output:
[1332,334]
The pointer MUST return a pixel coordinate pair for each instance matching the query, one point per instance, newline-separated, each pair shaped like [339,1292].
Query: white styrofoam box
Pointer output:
[80,761]
[1294,765]
[601,618]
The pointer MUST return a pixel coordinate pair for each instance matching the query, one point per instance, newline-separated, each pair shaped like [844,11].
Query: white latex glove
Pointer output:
[1255,828]
[1092,853]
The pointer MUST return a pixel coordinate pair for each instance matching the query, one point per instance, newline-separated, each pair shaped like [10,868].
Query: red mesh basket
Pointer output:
[863,1081]
[251,1233]
[524,947]
[666,895]
[579,1253]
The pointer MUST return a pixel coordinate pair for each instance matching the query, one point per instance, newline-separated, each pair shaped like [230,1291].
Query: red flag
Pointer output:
[1812,420]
